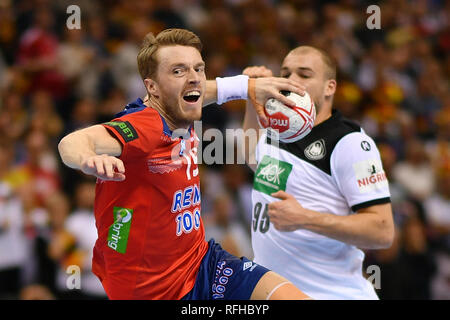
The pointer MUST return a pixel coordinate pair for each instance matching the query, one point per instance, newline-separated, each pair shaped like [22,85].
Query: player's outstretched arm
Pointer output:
[256,85]
[259,90]
[93,151]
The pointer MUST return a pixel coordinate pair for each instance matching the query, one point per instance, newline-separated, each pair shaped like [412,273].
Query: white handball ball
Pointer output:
[290,124]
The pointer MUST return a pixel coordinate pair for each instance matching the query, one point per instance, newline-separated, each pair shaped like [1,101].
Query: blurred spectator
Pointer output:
[440,285]
[83,115]
[76,61]
[437,206]
[37,56]
[124,66]
[389,158]
[8,30]
[347,99]
[408,266]
[56,245]
[111,105]
[13,246]
[416,260]
[80,225]
[439,148]
[40,169]
[415,173]
[239,188]
[44,116]
[228,232]
[191,11]
[368,73]
[211,185]
[387,260]
[14,117]
[425,102]
[438,215]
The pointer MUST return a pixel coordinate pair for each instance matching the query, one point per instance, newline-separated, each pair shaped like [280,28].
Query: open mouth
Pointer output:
[192,96]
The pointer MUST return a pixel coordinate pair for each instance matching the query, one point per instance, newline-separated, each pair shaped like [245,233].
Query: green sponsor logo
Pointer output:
[119,231]
[124,128]
[271,175]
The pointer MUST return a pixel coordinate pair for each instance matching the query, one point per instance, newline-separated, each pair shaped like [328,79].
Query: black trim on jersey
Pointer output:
[367,204]
[124,128]
[330,131]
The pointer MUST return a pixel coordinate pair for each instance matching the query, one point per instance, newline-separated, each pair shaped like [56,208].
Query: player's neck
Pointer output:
[156,104]
[322,116]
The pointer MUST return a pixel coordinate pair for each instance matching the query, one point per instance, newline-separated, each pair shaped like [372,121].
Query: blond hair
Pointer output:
[146,58]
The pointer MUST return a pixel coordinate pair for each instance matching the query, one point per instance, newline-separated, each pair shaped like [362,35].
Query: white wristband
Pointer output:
[232,88]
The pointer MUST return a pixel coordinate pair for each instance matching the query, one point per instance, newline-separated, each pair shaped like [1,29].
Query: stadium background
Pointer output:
[393,81]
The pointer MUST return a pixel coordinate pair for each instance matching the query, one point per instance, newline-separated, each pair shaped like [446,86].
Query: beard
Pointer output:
[174,114]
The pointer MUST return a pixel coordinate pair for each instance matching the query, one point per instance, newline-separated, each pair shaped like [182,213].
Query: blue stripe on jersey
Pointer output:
[138,105]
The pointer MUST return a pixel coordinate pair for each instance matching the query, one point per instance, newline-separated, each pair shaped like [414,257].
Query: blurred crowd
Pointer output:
[393,81]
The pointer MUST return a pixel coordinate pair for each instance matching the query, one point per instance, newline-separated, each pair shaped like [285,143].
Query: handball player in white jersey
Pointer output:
[318,201]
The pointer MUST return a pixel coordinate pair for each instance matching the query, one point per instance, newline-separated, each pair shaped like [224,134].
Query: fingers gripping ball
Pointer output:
[290,124]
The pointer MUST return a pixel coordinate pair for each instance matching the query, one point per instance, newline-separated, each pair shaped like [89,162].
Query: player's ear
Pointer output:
[152,87]
[330,88]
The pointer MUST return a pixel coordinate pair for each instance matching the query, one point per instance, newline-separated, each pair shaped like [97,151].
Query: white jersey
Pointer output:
[335,169]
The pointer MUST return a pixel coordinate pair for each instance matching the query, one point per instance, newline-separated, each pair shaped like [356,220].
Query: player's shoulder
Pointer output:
[352,141]
[136,120]
[334,130]
[355,142]
[137,110]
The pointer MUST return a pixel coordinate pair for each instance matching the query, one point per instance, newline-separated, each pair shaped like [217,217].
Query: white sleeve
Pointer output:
[358,171]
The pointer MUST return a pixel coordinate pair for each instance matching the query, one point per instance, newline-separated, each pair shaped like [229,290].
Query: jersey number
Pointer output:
[192,155]
[187,221]
[261,219]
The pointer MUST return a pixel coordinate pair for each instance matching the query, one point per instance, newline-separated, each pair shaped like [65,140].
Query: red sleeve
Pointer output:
[138,132]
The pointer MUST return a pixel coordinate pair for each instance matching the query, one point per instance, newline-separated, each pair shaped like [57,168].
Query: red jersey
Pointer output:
[151,238]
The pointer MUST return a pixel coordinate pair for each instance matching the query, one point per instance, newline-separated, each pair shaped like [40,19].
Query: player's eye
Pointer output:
[285,75]
[200,69]
[177,71]
[304,76]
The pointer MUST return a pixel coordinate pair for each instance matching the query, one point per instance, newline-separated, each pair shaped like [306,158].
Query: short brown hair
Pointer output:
[330,64]
[146,58]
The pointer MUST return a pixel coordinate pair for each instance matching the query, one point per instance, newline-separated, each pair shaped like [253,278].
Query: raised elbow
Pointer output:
[387,237]
[65,149]
[62,147]
[388,241]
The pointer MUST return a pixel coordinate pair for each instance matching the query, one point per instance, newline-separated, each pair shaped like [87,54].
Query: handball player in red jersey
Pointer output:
[151,240]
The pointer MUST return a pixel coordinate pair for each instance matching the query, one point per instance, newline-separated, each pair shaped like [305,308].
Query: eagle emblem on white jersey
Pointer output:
[316,150]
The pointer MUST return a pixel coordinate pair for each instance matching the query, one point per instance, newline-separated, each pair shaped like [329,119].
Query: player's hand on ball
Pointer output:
[270,87]
[287,214]
[104,167]
[262,89]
